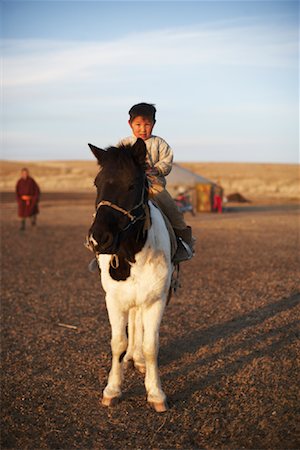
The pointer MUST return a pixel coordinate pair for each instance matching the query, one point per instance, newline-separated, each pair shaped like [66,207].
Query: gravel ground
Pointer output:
[229,344]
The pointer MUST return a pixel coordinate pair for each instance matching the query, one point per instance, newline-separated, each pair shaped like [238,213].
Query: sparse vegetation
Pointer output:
[254,181]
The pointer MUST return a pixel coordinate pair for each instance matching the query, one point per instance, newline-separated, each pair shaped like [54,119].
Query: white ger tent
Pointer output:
[200,189]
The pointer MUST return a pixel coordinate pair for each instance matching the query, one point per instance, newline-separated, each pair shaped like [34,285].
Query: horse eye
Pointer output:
[131,187]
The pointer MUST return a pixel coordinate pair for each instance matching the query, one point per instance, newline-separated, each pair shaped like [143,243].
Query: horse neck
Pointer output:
[137,239]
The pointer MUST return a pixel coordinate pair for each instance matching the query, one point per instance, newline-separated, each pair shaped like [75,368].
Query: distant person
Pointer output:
[217,205]
[28,195]
[159,164]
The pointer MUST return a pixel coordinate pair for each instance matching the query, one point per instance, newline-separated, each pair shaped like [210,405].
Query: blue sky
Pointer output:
[223,75]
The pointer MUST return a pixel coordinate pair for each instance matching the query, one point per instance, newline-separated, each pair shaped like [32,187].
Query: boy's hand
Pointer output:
[152,172]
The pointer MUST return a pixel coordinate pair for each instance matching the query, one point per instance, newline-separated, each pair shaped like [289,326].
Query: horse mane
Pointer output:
[120,156]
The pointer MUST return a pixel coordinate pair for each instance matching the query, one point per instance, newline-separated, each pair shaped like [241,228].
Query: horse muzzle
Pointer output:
[105,243]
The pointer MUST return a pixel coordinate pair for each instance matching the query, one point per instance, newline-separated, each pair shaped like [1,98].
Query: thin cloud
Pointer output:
[41,62]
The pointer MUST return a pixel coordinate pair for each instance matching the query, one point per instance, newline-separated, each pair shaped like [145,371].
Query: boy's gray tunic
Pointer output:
[159,155]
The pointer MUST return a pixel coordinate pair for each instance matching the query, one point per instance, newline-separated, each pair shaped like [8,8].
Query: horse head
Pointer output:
[121,200]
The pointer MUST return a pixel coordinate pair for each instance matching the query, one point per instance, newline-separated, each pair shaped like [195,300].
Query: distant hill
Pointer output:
[250,180]
[253,179]
[52,176]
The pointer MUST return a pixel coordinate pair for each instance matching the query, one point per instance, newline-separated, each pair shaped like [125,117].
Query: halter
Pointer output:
[133,218]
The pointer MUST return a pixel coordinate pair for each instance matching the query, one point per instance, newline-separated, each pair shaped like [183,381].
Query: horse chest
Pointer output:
[148,278]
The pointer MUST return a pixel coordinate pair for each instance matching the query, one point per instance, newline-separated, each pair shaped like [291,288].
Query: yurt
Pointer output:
[200,189]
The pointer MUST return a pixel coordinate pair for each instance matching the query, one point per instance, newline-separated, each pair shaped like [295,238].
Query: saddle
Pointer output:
[173,239]
[180,250]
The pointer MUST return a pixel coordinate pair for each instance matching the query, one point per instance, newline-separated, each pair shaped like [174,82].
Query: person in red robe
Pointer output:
[28,195]
[218,194]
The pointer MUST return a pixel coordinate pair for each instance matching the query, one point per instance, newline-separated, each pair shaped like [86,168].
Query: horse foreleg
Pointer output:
[151,320]
[118,321]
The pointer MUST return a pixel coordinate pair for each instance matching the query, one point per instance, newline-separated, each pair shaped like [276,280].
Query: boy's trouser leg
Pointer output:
[170,209]
[22,226]
[176,218]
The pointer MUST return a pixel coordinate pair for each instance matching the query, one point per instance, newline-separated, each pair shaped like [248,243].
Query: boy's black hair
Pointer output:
[142,109]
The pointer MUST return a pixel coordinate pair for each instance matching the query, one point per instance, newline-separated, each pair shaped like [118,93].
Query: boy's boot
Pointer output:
[185,245]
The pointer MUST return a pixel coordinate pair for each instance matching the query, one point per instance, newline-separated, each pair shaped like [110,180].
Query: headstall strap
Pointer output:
[133,218]
[116,207]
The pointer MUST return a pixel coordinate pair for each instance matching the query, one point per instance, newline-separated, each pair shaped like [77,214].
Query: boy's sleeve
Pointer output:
[164,165]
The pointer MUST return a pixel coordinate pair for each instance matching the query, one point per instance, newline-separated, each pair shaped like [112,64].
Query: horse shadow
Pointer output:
[256,345]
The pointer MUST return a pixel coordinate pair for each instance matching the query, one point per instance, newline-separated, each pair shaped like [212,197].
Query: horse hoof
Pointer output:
[110,401]
[160,406]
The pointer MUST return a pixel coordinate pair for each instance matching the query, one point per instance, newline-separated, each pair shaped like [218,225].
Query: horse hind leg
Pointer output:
[130,331]
[134,355]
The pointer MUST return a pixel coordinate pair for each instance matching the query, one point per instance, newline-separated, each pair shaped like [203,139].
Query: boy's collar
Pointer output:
[152,135]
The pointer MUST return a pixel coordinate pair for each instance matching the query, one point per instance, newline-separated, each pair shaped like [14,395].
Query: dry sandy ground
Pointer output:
[229,343]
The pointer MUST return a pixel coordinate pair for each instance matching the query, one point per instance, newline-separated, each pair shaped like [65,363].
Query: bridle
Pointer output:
[132,216]
[129,213]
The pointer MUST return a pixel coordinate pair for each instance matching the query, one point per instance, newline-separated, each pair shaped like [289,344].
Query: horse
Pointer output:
[132,247]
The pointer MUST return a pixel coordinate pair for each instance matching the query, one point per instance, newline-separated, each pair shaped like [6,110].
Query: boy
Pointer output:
[159,164]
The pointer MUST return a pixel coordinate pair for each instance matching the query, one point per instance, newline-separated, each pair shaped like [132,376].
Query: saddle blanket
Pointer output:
[171,232]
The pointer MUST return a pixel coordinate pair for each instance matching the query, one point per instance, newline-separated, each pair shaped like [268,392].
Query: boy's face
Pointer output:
[142,127]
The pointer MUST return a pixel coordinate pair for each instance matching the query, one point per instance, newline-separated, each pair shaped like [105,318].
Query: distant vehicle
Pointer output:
[183,203]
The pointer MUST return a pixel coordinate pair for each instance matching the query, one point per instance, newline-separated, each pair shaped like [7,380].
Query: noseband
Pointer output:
[133,218]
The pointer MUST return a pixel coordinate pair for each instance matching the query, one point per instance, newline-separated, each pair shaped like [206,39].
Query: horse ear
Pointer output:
[98,152]
[139,151]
